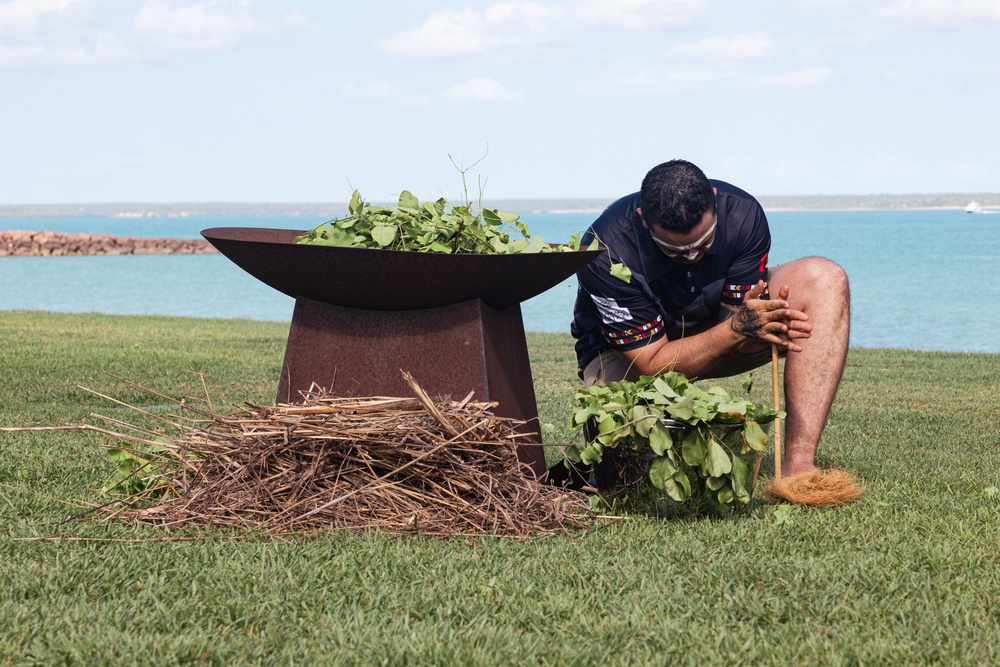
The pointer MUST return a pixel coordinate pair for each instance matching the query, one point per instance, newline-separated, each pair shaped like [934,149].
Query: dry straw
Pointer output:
[400,465]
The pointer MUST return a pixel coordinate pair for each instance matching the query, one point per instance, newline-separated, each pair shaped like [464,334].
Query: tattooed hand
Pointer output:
[746,322]
[770,320]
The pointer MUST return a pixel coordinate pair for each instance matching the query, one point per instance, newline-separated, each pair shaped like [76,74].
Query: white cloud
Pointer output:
[203,26]
[24,15]
[521,23]
[481,90]
[105,51]
[942,12]
[691,65]
[634,15]
[16,55]
[877,15]
[57,33]
[722,48]
[448,33]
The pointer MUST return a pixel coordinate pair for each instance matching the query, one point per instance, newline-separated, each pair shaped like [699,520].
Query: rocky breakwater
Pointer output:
[31,243]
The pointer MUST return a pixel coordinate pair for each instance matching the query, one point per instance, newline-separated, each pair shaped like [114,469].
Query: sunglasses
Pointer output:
[691,250]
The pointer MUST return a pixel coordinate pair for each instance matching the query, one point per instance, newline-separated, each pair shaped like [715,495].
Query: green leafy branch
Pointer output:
[699,442]
[141,472]
[430,227]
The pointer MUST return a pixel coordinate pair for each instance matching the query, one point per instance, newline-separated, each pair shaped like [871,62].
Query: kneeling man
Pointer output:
[701,300]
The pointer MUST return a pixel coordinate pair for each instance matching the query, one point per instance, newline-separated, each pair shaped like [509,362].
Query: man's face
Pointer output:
[685,248]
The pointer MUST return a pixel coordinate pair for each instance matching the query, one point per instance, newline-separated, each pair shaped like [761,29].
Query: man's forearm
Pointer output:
[691,355]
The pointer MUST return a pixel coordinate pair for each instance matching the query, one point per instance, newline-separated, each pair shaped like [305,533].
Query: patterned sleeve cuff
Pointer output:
[627,337]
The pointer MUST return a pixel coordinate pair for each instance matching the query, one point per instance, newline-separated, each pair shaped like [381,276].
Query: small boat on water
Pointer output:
[976,207]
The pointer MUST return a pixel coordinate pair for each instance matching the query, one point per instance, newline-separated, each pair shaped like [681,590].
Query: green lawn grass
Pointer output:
[910,574]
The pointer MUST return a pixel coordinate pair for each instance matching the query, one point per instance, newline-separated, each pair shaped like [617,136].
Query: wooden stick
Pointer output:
[777,406]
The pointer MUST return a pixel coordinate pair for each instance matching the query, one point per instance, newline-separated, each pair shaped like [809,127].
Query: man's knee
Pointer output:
[819,270]
[811,276]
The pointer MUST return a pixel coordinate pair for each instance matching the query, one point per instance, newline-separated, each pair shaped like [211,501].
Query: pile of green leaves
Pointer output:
[706,451]
[429,227]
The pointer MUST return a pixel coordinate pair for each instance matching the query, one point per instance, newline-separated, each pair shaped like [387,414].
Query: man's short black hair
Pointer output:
[676,195]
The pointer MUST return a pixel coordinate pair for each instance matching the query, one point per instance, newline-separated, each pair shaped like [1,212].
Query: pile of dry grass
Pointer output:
[401,465]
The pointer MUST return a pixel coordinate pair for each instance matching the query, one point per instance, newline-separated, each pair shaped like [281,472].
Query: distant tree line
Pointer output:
[590,205]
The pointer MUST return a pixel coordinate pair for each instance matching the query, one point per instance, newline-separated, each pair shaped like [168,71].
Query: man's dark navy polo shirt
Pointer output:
[665,297]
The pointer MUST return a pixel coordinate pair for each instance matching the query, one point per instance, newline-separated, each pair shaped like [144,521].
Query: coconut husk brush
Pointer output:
[816,488]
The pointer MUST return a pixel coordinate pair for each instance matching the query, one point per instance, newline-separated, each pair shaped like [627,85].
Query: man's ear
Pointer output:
[644,225]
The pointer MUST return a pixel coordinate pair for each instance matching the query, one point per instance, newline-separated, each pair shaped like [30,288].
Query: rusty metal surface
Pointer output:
[449,350]
[390,279]
[362,316]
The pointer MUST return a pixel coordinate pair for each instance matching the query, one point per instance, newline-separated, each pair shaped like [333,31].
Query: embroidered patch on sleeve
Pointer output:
[610,311]
[636,334]
[736,292]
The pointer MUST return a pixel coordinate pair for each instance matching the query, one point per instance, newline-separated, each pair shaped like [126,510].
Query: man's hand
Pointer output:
[770,320]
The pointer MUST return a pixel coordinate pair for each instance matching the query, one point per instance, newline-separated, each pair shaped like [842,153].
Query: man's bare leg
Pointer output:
[819,288]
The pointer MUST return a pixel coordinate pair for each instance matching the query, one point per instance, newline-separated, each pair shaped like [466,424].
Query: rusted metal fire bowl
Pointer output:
[374,279]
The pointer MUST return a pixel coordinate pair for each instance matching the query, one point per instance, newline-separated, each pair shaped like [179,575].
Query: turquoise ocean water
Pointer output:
[926,280]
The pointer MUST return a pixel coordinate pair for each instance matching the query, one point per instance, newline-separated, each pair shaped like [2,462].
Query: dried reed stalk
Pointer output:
[400,465]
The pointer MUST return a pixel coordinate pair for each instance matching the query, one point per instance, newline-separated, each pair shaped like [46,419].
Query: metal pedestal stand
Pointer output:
[450,351]
[362,316]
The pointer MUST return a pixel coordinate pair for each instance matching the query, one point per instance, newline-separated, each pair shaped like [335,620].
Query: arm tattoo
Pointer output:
[746,322]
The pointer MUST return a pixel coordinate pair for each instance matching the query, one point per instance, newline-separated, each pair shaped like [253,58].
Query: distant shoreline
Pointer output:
[592,206]
[792,209]
[17,243]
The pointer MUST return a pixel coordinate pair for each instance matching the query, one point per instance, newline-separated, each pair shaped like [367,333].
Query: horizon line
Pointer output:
[522,204]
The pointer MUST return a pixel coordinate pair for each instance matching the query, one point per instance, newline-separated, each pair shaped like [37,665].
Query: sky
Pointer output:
[306,100]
